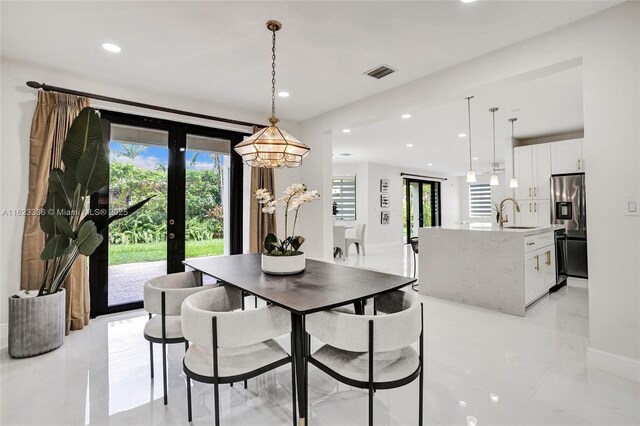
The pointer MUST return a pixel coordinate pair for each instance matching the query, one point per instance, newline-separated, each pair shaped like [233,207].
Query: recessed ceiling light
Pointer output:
[409,145]
[429,164]
[467,1]
[346,130]
[405,116]
[475,158]
[346,154]
[462,135]
[110,47]
[283,94]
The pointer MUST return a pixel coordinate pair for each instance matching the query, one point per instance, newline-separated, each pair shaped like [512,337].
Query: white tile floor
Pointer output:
[482,365]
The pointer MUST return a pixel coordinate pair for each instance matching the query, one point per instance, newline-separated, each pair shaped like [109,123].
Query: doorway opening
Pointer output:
[195,179]
[421,206]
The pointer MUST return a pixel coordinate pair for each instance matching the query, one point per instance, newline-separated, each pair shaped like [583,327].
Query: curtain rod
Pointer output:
[47,88]
[423,176]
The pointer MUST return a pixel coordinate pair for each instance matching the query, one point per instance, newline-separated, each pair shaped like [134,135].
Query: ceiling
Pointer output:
[547,105]
[220,51]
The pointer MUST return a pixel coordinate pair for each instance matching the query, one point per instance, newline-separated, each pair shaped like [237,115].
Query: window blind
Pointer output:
[344,195]
[479,200]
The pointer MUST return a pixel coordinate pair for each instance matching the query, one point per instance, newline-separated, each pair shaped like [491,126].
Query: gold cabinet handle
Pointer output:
[529,191]
[548,257]
[529,207]
[578,164]
[535,207]
[535,191]
[530,243]
[537,267]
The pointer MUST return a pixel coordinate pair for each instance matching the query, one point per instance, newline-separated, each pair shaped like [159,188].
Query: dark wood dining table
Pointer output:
[321,286]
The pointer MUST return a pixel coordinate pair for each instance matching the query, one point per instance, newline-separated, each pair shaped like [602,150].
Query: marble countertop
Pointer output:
[492,227]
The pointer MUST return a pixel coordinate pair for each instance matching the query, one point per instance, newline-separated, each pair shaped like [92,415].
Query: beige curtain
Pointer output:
[51,120]
[260,224]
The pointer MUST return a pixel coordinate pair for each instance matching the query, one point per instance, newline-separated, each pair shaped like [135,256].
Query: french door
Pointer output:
[195,180]
[421,206]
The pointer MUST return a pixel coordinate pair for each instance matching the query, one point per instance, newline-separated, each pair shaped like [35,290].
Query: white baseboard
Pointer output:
[616,364]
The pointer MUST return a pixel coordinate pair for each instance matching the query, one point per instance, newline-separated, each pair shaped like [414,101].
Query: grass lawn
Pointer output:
[149,252]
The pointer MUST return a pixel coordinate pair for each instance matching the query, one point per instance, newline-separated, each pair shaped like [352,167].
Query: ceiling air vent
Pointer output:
[379,72]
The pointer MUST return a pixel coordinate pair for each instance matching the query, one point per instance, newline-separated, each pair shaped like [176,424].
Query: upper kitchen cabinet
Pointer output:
[566,157]
[532,167]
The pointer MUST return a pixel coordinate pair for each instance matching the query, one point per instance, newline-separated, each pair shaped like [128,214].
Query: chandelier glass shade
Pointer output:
[272,147]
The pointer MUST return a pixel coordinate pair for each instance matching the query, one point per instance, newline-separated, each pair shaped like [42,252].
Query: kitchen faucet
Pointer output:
[502,219]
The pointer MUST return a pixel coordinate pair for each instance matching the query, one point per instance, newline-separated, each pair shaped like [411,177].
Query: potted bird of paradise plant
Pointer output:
[37,318]
[283,256]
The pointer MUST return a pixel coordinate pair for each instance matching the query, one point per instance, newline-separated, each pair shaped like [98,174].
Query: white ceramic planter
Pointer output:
[36,324]
[283,265]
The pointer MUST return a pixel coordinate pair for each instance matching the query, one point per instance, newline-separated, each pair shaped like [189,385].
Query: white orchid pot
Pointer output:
[283,265]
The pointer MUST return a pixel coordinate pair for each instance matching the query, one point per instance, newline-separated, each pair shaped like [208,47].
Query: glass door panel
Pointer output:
[206,196]
[137,245]
[421,206]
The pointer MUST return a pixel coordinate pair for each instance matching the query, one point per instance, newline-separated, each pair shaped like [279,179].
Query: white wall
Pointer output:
[368,210]
[608,45]
[18,104]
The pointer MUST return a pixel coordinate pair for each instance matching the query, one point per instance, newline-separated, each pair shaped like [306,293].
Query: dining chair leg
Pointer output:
[164,371]
[216,403]
[420,402]
[357,248]
[245,384]
[371,404]
[255,302]
[189,417]
[151,357]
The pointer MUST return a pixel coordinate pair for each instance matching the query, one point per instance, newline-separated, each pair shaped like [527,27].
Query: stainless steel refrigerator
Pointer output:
[569,208]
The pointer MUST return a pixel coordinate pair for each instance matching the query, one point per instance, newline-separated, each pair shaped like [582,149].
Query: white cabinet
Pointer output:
[534,213]
[566,157]
[539,266]
[523,170]
[532,167]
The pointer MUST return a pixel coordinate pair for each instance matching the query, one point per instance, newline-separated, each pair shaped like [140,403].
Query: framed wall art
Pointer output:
[384,217]
[384,185]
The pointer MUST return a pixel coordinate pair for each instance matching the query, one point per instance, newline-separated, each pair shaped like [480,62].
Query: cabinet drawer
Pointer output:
[534,242]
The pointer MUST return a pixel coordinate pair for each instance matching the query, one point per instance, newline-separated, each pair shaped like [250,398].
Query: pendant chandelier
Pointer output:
[272,147]
[513,183]
[471,174]
[494,181]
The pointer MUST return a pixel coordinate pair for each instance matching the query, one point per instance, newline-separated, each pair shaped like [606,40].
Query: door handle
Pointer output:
[171,235]
[537,267]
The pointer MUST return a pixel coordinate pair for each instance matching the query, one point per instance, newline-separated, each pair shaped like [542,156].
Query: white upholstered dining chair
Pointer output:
[163,297]
[372,351]
[230,345]
[358,239]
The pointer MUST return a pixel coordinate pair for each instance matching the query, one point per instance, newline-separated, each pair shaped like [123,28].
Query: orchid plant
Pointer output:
[293,198]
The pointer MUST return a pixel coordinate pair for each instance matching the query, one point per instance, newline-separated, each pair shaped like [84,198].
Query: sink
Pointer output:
[520,227]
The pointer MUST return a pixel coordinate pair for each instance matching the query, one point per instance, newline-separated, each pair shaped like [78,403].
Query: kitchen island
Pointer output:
[481,264]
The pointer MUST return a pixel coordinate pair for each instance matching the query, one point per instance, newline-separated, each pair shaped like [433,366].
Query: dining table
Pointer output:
[321,286]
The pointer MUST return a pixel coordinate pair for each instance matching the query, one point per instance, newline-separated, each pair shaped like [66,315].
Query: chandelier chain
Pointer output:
[273,74]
